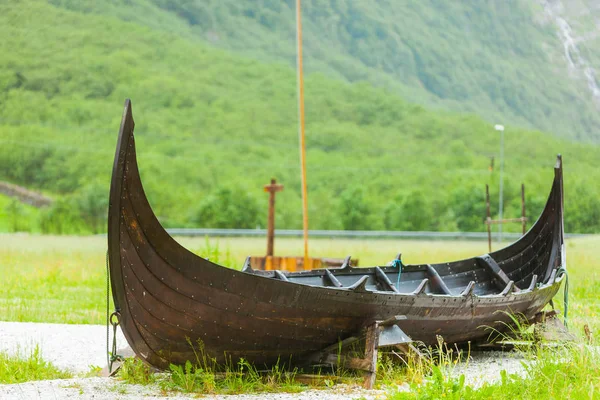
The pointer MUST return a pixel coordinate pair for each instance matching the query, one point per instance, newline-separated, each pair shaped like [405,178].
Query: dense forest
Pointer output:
[503,60]
[213,126]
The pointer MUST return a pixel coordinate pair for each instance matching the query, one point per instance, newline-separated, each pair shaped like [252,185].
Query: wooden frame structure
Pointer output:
[489,221]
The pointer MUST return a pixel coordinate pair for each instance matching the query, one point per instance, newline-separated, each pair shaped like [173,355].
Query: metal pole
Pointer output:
[301,131]
[489,217]
[501,201]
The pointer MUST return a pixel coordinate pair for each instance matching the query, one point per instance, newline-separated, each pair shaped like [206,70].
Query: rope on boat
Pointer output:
[397,263]
[107,314]
[563,271]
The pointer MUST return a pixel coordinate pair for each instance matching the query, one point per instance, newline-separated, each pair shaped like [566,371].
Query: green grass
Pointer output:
[570,372]
[52,279]
[17,369]
[204,376]
[135,371]
[17,217]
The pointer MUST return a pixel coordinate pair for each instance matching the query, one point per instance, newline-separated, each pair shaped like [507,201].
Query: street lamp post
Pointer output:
[500,128]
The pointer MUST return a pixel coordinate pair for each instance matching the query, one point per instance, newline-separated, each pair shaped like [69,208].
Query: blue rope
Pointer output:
[563,271]
[398,264]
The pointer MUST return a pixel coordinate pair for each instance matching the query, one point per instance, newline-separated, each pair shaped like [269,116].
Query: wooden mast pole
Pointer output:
[271,189]
[301,131]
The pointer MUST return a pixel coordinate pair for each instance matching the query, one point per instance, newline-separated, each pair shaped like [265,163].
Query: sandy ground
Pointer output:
[79,347]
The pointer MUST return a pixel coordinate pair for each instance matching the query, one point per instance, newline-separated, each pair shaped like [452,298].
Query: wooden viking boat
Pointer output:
[167,296]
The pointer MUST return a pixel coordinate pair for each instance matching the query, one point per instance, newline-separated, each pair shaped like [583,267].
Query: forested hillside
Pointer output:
[213,126]
[510,61]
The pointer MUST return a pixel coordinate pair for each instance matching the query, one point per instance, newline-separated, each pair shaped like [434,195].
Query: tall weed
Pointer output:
[16,369]
[135,371]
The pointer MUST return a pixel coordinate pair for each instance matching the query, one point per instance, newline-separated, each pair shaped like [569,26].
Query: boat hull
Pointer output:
[172,302]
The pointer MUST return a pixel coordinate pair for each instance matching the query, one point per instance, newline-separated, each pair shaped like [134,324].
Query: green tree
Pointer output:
[227,208]
[409,212]
[92,205]
[62,217]
[354,209]
[583,209]
[468,204]
[18,222]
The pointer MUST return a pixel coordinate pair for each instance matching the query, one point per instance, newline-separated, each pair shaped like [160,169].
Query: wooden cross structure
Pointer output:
[378,334]
[489,221]
[271,189]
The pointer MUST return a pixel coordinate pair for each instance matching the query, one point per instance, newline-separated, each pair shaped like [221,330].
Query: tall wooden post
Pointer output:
[488,220]
[271,189]
[371,345]
[523,217]
[301,130]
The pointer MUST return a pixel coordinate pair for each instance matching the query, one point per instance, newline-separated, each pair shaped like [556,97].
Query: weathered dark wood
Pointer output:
[370,360]
[347,262]
[468,291]
[334,348]
[385,281]
[508,289]
[421,288]
[533,283]
[393,320]
[347,362]
[436,280]
[500,278]
[334,281]
[360,285]
[168,296]
[247,267]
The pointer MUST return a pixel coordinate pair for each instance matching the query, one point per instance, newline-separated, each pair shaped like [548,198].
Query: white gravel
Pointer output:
[72,347]
[111,389]
[79,347]
[486,366]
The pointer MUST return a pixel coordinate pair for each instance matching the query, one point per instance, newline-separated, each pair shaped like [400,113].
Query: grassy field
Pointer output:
[63,279]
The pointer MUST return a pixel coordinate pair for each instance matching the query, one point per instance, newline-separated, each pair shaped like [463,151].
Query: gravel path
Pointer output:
[111,389]
[72,347]
[78,347]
